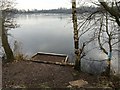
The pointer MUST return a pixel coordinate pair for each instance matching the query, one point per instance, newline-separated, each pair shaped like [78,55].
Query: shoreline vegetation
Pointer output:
[80,10]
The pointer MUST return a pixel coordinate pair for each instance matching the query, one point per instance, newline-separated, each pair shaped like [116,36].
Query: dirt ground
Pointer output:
[26,74]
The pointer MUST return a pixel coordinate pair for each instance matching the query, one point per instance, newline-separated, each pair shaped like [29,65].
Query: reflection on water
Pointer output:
[53,33]
[44,33]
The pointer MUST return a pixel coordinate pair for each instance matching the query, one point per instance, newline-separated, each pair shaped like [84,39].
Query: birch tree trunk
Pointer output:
[0,23]
[76,38]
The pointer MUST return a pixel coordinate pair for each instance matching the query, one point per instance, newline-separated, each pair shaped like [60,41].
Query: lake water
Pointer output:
[52,33]
[48,33]
[44,33]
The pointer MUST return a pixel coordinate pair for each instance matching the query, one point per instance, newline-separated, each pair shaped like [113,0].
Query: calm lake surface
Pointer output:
[53,34]
[44,33]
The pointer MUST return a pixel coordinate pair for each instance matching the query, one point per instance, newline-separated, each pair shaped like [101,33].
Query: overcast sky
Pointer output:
[44,4]
[50,4]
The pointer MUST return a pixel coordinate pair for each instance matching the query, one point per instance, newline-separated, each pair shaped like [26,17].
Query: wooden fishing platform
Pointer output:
[51,58]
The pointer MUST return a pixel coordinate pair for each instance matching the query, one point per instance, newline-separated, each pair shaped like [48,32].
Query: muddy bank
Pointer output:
[26,74]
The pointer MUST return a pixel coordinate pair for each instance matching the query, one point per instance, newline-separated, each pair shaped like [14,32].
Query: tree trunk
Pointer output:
[0,23]
[6,46]
[76,38]
[110,48]
[108,68]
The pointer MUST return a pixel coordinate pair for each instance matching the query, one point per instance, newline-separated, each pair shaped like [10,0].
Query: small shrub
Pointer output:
[18,54]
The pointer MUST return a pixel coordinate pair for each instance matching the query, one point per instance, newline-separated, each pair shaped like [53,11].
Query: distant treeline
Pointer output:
[80,10]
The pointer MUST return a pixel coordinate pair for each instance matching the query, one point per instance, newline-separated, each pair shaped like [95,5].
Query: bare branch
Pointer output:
[112,11]
[116,43]
[99,40]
